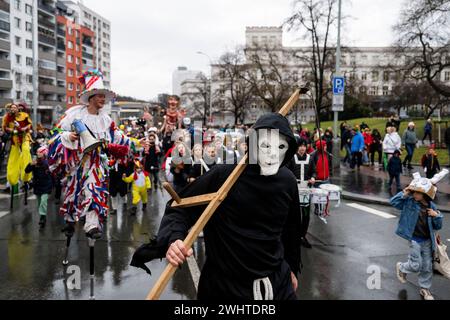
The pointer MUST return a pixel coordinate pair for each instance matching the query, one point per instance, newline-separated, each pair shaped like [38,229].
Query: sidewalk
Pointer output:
[371,186]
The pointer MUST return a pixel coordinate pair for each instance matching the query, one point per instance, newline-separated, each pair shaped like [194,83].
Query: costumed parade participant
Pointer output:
[17,124]
[140,185]
[85,167]
[418,224]
[252,241]
[173,117]
[303,168]
[118,189]
[42,182]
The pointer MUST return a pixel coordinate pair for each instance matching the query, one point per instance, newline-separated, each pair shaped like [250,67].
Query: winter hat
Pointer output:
[397,152]
[411,124]
[427,186]
[93,85]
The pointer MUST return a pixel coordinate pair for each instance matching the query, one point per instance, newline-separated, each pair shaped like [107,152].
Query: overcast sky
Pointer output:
[151,38]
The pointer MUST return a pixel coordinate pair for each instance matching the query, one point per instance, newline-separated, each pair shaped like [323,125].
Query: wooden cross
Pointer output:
[213,201]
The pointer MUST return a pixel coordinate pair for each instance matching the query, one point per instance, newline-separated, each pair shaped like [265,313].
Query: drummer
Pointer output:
[303,169]
[322,164]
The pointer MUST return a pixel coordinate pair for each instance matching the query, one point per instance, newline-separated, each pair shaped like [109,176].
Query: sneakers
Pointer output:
[426,294]
[94,234]
[400,275]
[305,243]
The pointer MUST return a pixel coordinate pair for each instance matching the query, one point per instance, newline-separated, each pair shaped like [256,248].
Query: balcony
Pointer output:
[5,26]
[88,56]
[47,73]
[5,101]
[47,88]
[4,6]
[47,55]
[61,46]
[6,84]
[46,40]
[46,23]
[61,33]
[50,103]
[61,76]
[61,90]
[5,64]
[46,8]
[5,45]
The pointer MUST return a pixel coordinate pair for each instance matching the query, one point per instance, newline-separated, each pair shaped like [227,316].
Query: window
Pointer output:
[18,59]
[364,76]
[373,91]
[386,75]
[78,87]
[70,58]
[70,100]
[375,76]
[78,61]
[18,95]
[29,9]
[70,86]
[29,96]
[28,27]
[17,4]
[385,91]
[69,31]
[77,48]
[17,23]
[29,44]
[70,72]
[70,44]
[29,78]
[18,77]
[447,76]
[18,40]
[29,61]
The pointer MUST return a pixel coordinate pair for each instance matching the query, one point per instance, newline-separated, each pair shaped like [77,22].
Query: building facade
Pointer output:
[368,72]
[99,53]
[179,76]
[6,83]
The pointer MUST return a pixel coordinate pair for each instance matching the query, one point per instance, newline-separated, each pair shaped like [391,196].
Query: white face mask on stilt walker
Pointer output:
[272,149]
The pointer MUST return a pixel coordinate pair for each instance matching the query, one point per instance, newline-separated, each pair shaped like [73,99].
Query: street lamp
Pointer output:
[210,85]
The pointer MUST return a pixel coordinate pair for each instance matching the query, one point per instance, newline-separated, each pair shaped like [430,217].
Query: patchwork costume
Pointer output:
[85,174]
[140,184]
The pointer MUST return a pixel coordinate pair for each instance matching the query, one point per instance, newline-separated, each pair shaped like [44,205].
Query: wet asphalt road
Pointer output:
[336,268]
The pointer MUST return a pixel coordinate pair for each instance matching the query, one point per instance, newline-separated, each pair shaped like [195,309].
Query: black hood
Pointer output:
[277,121]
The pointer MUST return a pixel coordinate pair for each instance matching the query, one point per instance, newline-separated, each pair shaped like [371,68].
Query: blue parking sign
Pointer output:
[338,85]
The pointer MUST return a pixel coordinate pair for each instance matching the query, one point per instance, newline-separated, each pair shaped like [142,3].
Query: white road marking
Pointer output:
[195,271]
[4,213]
[372,211]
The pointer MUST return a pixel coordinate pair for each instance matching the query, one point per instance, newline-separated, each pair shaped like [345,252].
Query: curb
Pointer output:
[376,200]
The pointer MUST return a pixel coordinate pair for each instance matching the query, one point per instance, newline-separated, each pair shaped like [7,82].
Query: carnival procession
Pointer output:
[181,202]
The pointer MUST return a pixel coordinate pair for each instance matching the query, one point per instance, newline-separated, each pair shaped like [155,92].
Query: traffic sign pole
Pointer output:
[336,144]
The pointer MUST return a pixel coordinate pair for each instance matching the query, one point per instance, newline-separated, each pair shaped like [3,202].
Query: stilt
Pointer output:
[91,267]
[25,187]
[12,198]
[66,261]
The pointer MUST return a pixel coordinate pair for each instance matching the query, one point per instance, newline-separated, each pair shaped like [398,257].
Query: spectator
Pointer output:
[447,141]
[357,148]
[430,163]
[409,140]
[376,147]
[391,142]
[328,138]
[368,140]
[394,169]
[428,131]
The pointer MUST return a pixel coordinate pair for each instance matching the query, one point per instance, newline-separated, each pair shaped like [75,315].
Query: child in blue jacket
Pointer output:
[418,223]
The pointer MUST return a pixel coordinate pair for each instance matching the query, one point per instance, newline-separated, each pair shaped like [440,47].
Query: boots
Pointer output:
[133,211]
[69,229]
[42,222]
[94,234]
[144,206]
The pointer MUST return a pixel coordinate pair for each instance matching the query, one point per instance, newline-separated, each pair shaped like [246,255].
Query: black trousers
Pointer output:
[306,217]
[356,160]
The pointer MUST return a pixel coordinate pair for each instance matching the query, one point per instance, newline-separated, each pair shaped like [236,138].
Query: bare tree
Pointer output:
[232,68]
[423,42]
[199,96]
[315,19]
[267,77]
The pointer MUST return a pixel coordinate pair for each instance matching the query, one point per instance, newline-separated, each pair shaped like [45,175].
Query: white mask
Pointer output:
[272,149]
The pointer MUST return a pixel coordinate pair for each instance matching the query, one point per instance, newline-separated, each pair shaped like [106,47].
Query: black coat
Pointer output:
[394,166]
[42,178]
[296,168]
[447,137]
